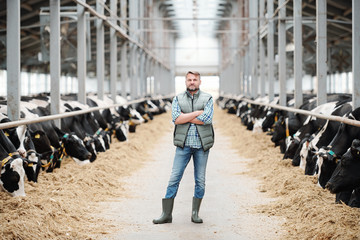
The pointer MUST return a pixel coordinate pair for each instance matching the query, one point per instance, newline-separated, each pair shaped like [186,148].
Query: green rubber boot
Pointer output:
[166,216]
[195,210]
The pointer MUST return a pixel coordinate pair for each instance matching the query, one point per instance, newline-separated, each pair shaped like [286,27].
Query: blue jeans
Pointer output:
[181,160]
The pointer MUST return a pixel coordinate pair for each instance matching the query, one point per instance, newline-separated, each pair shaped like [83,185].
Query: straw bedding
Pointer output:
[63,204]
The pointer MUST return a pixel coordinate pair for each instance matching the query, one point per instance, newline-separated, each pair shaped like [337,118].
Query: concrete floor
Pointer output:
[227,208]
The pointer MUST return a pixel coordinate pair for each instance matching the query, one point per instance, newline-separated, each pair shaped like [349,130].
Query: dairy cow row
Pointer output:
[27,150]
[327,149]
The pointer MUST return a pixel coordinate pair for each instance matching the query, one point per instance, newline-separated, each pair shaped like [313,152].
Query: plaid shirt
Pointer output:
[193,138]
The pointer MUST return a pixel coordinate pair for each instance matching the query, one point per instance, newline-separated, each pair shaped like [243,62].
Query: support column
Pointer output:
[55,58]
[133,72]
[142,74]
[261,50]
[356,52]
[270,48]
[81,53]
[321,48]
[13,59]
[282,53]
[253,12]
[298,52]
[100,58]
[113,53]
[124,69]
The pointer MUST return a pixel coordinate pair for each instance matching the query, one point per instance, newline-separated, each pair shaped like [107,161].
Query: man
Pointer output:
[192,113]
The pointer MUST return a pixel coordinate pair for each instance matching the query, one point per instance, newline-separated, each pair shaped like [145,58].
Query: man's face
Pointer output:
[192,82]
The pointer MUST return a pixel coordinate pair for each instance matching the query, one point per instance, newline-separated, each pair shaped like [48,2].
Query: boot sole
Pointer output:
[167,221]
[196,222]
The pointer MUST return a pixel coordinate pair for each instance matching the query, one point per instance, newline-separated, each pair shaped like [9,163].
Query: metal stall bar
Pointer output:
[81,53]
[262,51]
[113,54]
[305,112]
[253,51]
[55,58]
[270,48]
[124,69]
[321,48]
[298,52]
[356,52]
[13,58]
[282,53]
[142,74]
[100,55]
[74,113]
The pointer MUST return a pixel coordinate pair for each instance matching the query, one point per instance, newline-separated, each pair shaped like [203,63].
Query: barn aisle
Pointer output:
[228,208]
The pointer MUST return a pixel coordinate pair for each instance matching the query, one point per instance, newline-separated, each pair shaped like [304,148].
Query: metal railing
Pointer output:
[300,111]
[74,113]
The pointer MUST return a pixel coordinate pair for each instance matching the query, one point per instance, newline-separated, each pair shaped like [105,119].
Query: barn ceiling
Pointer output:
[188,17]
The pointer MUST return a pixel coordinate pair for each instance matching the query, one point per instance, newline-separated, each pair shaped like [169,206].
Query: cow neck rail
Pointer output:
[74,113]
[300,111]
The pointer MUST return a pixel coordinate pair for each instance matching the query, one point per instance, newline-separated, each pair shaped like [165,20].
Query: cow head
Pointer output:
[270,119]
[12,176]
[326,164]
[347,173]
[311,166]
[279,130]
[90,146]
[75,148]
[32,162]
[121,131]
[293,145]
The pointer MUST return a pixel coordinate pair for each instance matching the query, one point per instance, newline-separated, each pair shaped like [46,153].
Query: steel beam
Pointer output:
[124,70]
[270,48]
[261,50]
[253,38]
[100,55]
[13,64]
[321,50]
[356,52]
[298,52]
[282,53]
[55,58]
[81,53]
[113,53]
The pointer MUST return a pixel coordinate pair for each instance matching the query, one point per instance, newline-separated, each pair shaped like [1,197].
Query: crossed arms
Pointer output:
[189,117]
[200,117]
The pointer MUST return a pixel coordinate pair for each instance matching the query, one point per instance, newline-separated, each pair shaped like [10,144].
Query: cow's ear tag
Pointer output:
[66,135]
[37,136]
[6,134]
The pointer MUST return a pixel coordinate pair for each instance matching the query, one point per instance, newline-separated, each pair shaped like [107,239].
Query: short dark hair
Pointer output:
[194,73]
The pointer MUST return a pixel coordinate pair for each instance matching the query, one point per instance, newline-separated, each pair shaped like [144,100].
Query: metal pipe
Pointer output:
[356,53]
[300,111]
[13,59]
[321,47]
[55,58]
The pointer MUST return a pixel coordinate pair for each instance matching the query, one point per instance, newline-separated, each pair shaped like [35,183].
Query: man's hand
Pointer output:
[189,117]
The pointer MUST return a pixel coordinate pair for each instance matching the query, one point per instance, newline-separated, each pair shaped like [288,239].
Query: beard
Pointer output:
[192,89]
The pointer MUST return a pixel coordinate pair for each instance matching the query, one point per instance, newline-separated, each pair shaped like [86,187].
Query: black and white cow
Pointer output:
[346,176]
[322,138]
[20,138]
[111,117]
[12,170]
[328,156]
[310,126]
